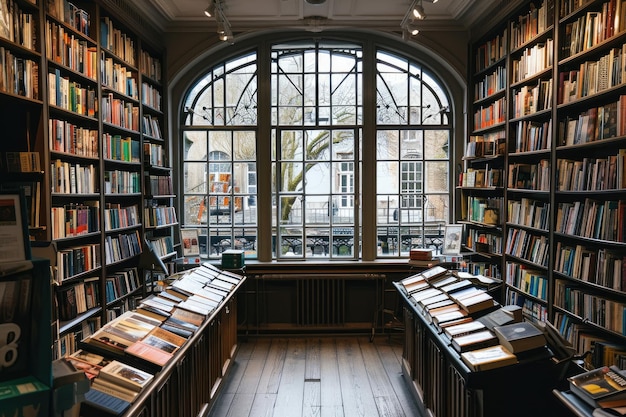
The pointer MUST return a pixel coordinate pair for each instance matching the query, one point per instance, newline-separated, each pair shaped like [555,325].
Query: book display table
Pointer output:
[444,385]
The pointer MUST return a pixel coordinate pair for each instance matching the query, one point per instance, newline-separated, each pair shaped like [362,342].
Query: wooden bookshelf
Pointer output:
[562,227]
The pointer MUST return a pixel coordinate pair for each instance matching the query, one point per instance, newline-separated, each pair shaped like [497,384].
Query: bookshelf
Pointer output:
[562,226]
[87,111]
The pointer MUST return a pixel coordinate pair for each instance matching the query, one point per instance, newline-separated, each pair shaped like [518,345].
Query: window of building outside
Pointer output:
[318,137]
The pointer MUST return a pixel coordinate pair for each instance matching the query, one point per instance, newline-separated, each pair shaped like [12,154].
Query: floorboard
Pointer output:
[317,376]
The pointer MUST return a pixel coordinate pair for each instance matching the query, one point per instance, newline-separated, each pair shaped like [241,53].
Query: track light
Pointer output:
[216,9]
[418,11]
[210,10]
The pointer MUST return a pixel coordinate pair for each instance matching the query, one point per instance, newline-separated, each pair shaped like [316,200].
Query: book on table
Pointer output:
[600,387]
[479,302]
[487,358]
[464,328]
[99,403]
[126,375]
[520,337]
[473,341]
[88,362]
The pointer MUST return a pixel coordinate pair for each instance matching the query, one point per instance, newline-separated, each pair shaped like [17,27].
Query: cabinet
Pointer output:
[563,165]
[82,89]
[26,374]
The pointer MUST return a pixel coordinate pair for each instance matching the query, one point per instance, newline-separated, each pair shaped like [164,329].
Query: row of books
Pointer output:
[70,95]
[487,145]
[75,219]
[485,210]
[123,357]
[490,114]
[481,178]
[18,75]
[73,178]
[530,176]
[596,123]
[122,182]
[159,185]
[71,51]
[117,42]
[491,83]
[159,216]
[530,281]
[122,246]
[595,309]
[529,212]
[531,24]
[150,96]
[67,12]
[66,137]
[484,241]
[117,216]
[17,26]
[491,51]
[162,246]
[534,60]
[77,260]
[526,245]
[532,135]
[598,266]
[120,113]
[154,154]
[593,77]
[150,127]
[592,174]
[117,77]
[76,299]
[121,283]
[594,27]
[592,219]
[120,148]
[150,66]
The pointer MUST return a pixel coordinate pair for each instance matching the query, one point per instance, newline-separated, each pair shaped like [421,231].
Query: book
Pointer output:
[600,385]
[479,302]
[503,315]
[487,358]
[88,362]
[464,328]
[473,341]
[520,337]
[115,390]
[98,403]
[126,375]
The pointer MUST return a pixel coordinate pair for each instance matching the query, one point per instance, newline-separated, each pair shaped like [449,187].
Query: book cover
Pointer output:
[97,403]
[490,357]
[479,302]
[126,375]
[88,362]
[464,328]
[520,337]
[473,341]
[114,389]
[149,352]
[598,385]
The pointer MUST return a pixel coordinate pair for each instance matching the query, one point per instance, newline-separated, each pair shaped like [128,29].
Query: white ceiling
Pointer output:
[245,15]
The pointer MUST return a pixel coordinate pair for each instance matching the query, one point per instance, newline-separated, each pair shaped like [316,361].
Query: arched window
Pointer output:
[324,126]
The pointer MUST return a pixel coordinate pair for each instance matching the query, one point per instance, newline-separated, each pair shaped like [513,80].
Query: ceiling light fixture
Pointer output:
[418,11]
[224,31]
[414,14]
[210,10]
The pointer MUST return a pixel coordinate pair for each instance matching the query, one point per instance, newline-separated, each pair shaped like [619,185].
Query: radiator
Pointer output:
[321,298]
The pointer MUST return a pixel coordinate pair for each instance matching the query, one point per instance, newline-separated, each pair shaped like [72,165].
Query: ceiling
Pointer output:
[246,15]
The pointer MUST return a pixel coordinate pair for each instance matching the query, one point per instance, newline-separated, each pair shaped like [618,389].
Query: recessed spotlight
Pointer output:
[315,2]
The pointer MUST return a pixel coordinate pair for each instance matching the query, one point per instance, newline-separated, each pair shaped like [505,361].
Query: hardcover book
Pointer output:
[97,403]
[488,358]
[473,341]
[126,375]
[520,337]
[600,386]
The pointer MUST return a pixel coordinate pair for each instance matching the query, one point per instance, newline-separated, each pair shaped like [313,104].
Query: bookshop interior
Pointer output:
[442,180]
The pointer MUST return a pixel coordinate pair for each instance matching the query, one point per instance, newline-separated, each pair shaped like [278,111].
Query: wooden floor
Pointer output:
[327,376]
